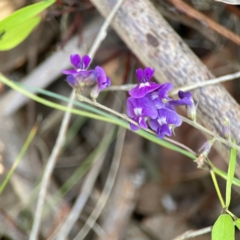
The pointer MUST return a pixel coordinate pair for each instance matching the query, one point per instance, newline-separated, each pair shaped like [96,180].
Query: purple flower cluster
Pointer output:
[149,105]
[81,77]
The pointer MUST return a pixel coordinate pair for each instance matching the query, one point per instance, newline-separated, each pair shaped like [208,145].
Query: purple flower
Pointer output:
[102,81]
[154,98]
[149,105]
[164,89]
[186,99]
[164,122]
[80,77]
[145,86]
[139,109]
[80,65]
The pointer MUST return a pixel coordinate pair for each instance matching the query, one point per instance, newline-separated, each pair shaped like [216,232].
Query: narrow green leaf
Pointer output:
[223,229]
[15,35]
[24,14]
[231,170]
[237,223]
[108,117]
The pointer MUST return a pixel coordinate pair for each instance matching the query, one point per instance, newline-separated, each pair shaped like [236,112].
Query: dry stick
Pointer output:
[49,168]
[80,202]
[194,124]
[107,188]
[184,8]
[97,229]
[192,234]
[206,83]
[209,82]
[125,117]
[62,132]
[203,129]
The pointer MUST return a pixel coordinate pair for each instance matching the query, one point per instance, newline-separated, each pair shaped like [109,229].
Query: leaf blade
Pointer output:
[24,14]
[16,35]
[223,228]
[237,223]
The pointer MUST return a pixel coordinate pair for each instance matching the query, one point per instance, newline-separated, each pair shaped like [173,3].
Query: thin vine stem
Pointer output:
[217,188]
[127,87]
[125,117]
[203,129]
[194,124]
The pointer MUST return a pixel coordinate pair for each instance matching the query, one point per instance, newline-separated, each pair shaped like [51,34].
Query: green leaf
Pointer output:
[15,35]
[237,223]
[231,170]
[16,27]
[24,14]
[223,228]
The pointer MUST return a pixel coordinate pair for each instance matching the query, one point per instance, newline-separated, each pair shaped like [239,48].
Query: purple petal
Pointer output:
[167,116]
[140,107]
[148,108]
[139,74]
[148,73]
[70,71]
[142,122]
[153,123]
[182,95]
[169,106]
[86,61]
[75,60]
[180,102]
[71,81]
[108,82]
[130,107]
[133,127]
[164,130]
[154,98]
[101,77]
[164,89]
[143,88]
[185,99]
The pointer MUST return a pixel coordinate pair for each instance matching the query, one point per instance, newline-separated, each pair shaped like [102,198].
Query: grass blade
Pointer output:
[231,170]
[19,157]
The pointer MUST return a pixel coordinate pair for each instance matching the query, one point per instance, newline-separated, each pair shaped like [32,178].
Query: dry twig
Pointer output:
[107,188]
[62,132]
[189,87]
[184,8]
[192,234]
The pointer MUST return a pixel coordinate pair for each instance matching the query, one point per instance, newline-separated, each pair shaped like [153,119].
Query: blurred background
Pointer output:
[158,194]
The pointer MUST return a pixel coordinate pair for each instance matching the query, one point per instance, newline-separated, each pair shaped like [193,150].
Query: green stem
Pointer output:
[231,214]
[217,188]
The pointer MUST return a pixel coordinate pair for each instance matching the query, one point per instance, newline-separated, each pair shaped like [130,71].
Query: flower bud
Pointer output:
[226,129]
